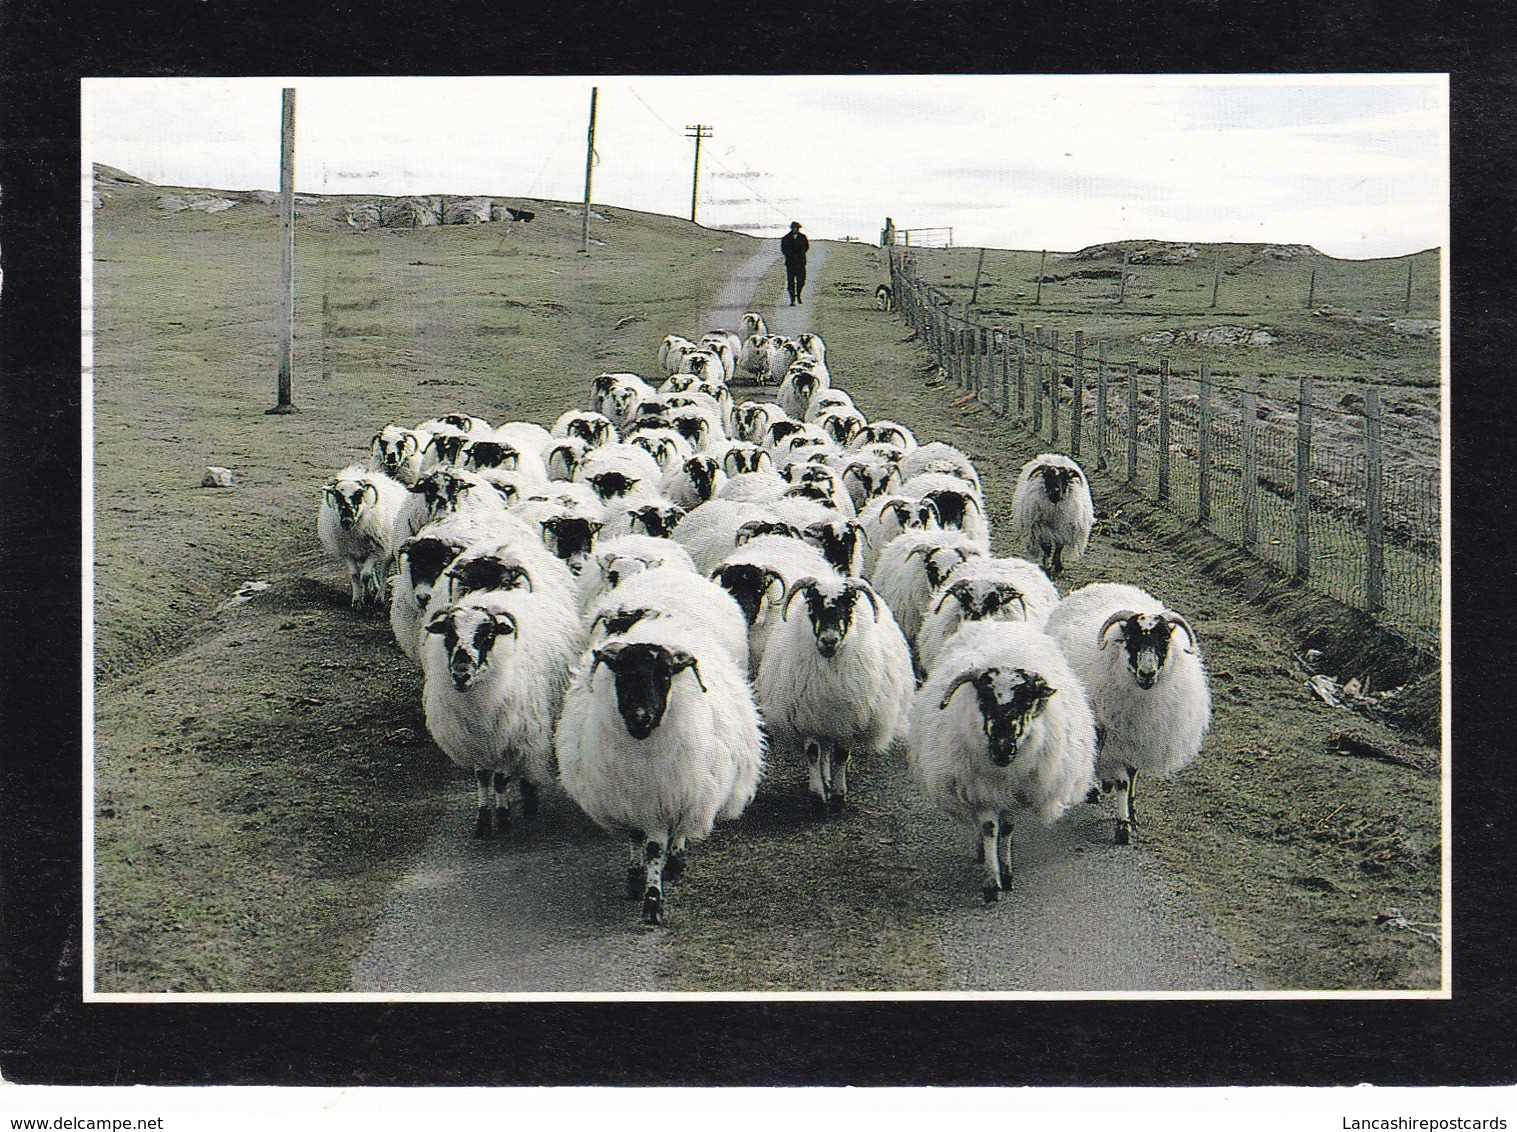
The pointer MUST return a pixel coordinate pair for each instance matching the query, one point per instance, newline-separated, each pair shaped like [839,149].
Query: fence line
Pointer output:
[1329,495]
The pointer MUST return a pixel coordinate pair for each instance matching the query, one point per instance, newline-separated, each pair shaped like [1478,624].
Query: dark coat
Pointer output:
[794,246]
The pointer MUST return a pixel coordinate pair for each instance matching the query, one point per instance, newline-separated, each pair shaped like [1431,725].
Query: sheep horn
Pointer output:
[371,495]
[805,585]
[1119,615]
[682,660]
[772,578]
[1175,619]
[868,591]
[968,498]
[923,548]
[958,682]
[1006,588]
[937,516]
[408,441]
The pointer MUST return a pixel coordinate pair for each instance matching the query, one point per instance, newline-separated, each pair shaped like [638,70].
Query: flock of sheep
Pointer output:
[670,589]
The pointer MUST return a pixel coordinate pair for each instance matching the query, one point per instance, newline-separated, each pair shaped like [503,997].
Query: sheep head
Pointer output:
[1057,479]
[644,673]
[979,600]
[748,584]
[612,485]
[756,527]
[496,570]
[937,561]
[838,540]
[1009,701]
[831,609]
[655,519]
[571,537]
[480,454]
[1146,637]
[348,498]
[469,634]
[424,560]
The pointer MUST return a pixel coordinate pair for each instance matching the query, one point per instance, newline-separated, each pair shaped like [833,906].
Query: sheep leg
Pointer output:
[837,796]
[1058,562]
[1121,796]
[502,783]
[674,866]
[635,868]
[818,780]
[654,851]
[1132,795]
[482,826]
[989,837]
[528,798]
[1003,849]
[355,580]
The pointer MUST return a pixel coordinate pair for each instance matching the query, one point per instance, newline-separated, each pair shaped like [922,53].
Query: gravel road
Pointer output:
[544,912]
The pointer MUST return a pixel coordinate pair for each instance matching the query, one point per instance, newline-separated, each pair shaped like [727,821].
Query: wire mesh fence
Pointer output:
[1337,490]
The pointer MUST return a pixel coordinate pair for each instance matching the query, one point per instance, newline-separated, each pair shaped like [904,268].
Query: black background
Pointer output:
[48,1035]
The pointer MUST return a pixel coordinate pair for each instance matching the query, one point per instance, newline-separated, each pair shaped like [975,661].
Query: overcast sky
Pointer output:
[1355,165]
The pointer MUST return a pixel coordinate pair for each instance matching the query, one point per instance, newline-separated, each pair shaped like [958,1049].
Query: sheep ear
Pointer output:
[607,654]
[958,682]
[438,623]
[679,660]
[596,526]
[505,623]
[1119,616]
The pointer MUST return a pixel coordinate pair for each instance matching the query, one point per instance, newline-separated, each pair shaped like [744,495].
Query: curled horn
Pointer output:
[802,586]
[506,619]
[772,578]
[607,653]
[900,509]
[923,548]
[375,438]
[683,660]
[1119,615]
[868,591]
[408,441]
[958,682]
[955,591]
[1006,589]
[371,495]
[933,507]
[1174,619]
[970,497]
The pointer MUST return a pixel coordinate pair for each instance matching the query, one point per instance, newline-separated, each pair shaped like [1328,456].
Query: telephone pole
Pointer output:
[584,237]
[695,182]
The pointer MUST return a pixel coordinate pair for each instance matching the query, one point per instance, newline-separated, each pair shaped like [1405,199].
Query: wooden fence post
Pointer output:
[1037,381]
[1021,371]
[979,264]
[1132,422]
[1374,530]
[1077,397]
[1216,277]
[1250,470]
[1203,448]
[1101,405]
[1053,388]
[1304,480]
[1037,300]
[1122,286]
[1407,305]
[1311,290]
[283,403]
[1163,430]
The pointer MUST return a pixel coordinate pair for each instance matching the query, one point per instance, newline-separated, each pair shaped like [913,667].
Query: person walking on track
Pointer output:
[794,246]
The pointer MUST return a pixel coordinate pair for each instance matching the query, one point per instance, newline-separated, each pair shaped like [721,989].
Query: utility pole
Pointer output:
[584,237]
[286,251]
[695,183]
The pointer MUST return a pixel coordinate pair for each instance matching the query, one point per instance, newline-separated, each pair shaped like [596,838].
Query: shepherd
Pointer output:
[794,246]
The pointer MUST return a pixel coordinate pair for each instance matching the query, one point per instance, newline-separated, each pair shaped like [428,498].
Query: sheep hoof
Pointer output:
[502,820]
[674,867]
[635,877]
[529,799]
[1093,797]
[1123,835]
[482,827]
[653,907]
[992,893]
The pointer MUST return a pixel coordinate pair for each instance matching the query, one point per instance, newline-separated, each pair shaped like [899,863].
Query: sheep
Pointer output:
[783,353]
[803,381]
[617,471]
[812,344]
[569,536]
[397,452]
[959,505]
[939,457]
[494,453]
[620,558]
[867,478]
[720,337]
[670,591]
[754,487]
[657,516]
[593,428]
[753,323]
[704,362]
[441,491]
[1051,511]
[709,532]
[829,484]
[445,443]
[657,437]
[889,432]
[662,746]
[754,571]
[830,399]
[495,665]
[421,560]
[739,456]
[622,399]
[753,358]
[841,424]
[356,525]
[1026,739]
[564,457]
[753,420]
[886,517]
[701,426]
[726,347]
[979,589]
[672,351]
[841,542]
[835,681]
[1151,700]
[912,567]
[459,422]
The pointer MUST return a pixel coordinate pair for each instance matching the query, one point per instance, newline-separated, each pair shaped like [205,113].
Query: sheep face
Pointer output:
[612,485]
[657,520]
[782,430]
[952,506]
[749,585]
[1146,638]
[448,446]
[1010,702]
[1056,480]
[874,478]
[755,527]
[469,635]
[738,461]
[838,541]
[594,431]
[938,562]
[500,571]
[564,460]
[702,471]
[348,498]
[393,447]
[482,454]
[644,673]
[424,560]
[831,613]
[692,426]
[981,598]
[571,538]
